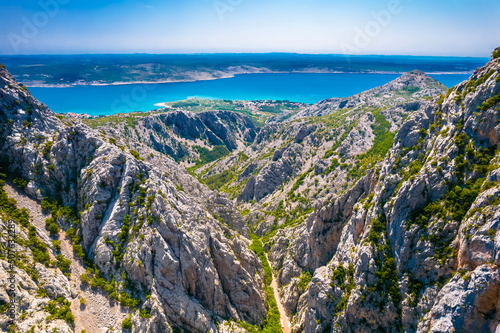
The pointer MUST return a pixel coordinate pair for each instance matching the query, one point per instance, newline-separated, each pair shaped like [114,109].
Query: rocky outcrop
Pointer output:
[285,162]
[377,211]
[412,85]
[333,146]
[146,224]
[312,244]
[419,252]
[52,280]
[177,133]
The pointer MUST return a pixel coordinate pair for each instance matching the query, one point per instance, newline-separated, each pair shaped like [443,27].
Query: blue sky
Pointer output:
[409,27]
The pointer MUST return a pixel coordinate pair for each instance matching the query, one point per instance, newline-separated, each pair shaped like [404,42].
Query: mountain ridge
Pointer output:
[417,82]
[122,201]
[375,217]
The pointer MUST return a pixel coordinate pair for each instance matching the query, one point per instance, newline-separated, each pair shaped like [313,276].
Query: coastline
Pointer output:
[228,76]
[120,83]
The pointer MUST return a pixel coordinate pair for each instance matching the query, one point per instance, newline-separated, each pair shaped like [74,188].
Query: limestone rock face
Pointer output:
[285,162]
[197,269]
[311,245]
[466,304]
[378,212]
[303,133]
[320,166]
[175,133]
[417,247]
[416,83]
[50,279]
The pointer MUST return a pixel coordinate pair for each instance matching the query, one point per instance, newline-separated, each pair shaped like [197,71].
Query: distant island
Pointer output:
[70,70]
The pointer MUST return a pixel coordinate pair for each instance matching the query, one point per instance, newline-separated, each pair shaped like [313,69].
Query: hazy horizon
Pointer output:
[396,27]
[243,53]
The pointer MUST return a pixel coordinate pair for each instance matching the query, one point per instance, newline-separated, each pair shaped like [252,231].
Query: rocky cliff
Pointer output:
[182,135]
[292,164]
[412,85]
[412,246]
[377,213]
[150,235]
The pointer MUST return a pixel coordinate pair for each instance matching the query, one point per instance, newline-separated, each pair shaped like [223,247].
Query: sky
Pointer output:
[399,27]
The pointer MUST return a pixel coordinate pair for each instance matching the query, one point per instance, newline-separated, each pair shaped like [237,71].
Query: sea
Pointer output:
[359,74]
[299,87]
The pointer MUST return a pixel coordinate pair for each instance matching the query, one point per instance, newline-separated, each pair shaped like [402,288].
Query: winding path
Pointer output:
[100,313]
[285,323]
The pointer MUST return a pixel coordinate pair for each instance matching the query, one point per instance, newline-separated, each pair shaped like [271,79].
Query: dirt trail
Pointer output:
[285,323]
[99,312]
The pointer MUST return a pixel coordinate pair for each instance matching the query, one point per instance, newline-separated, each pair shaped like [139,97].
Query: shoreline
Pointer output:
[227,76]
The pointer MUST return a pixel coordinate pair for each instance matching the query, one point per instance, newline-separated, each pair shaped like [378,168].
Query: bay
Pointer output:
[297,87]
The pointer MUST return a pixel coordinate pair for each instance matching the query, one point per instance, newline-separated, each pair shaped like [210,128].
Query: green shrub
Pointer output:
[335,163]
[381,144]
[136,154]
[38,248]
[53,228]
[415,167]
[300,181]
[84,278]
[489,103]
[414,287]
[207,156]
[34,276]
[145,313]
[339,278]
[78,250]
[57,245]
[487,185]
[410,89]
[20,182]
[60,309]
[304,280]
[243,156]
[339,275]
[64,263]
[41,292]
[8,206]
[258,248]
[125,228]
[272,324]
[127,323]
[377,227]
[496,53]
[46,149]
[389,279]
[217,181]
[46,204]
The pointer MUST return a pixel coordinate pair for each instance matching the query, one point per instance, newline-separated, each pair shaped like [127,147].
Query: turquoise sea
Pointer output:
[300,87]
